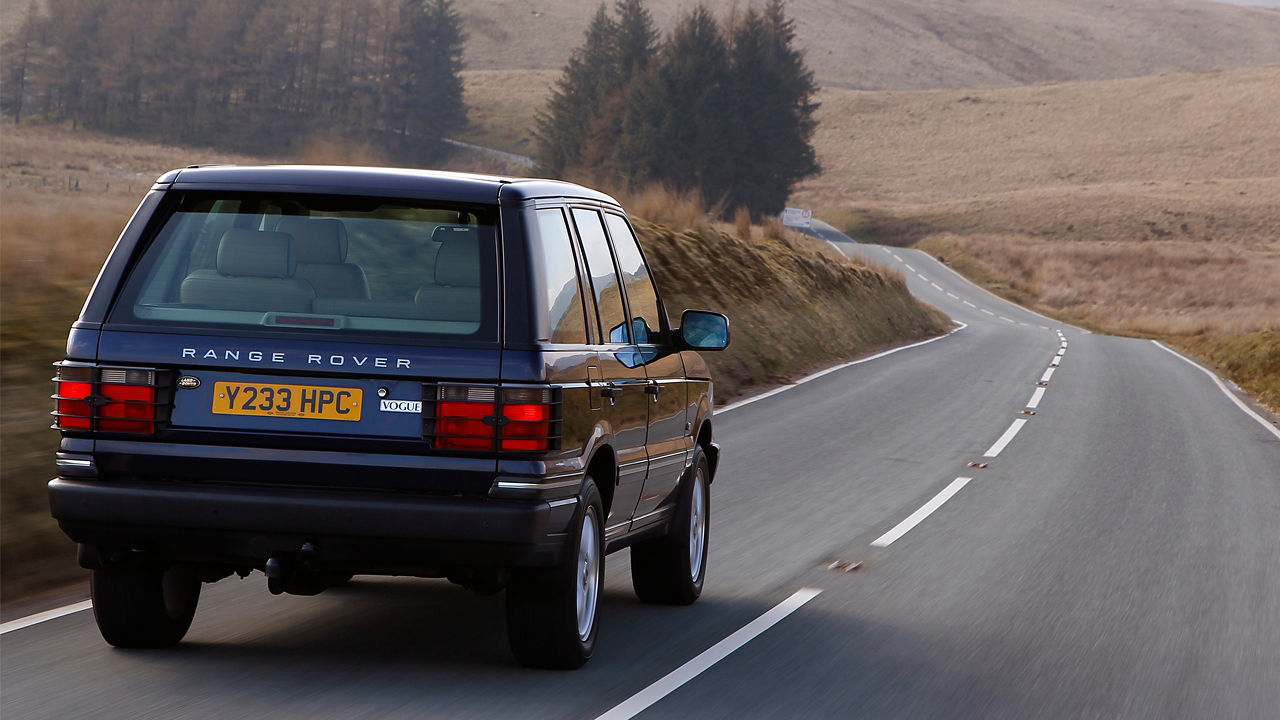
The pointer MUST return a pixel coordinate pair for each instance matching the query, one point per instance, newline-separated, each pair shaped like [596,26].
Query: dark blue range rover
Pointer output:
[318,372]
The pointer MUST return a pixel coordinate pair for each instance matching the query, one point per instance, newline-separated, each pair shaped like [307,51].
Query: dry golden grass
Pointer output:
[502,105]
[1148,206]
[919,44]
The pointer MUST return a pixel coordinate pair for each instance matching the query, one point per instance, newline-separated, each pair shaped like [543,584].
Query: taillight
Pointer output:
[120,400]
[485,418]
[527,415]
[461,412]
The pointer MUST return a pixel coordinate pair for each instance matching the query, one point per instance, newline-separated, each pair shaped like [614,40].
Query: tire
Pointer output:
[553,613]
[144,607]
[671,570]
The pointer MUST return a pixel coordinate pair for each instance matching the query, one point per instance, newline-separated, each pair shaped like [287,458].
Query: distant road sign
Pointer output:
[797,217]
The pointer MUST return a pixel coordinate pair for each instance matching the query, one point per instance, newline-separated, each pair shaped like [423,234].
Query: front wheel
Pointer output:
[144,607]
[671,570]
[553,613]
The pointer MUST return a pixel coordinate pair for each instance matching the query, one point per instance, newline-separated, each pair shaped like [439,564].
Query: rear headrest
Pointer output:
[253,253]
[458,259]
[316,240]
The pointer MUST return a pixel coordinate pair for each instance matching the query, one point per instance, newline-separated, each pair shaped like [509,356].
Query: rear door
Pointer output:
[626,403]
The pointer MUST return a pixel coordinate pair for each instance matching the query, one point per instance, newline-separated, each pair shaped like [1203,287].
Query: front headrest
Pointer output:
[316,240]
[458,259]
[254,253]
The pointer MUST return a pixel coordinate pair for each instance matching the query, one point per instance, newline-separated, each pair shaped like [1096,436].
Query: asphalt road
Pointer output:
[1116,554]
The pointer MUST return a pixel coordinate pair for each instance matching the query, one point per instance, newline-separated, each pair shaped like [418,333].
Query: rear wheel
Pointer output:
[671,570]
[144,607]
[552,613]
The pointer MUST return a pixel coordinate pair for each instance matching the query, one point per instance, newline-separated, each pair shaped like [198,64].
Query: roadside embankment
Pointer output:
[793,305]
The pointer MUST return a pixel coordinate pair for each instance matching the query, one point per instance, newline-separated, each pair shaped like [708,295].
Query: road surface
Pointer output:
[1019,519]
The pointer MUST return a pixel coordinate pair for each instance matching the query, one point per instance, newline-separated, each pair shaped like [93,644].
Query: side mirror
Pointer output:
[703,330]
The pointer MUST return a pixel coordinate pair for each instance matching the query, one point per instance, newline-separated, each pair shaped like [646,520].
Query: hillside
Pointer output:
[1146,205]
[924,44]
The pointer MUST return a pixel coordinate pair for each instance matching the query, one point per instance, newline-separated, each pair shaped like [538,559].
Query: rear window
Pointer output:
[316,263]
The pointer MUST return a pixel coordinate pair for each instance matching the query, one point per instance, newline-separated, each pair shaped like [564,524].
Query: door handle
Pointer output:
[654,389]
[611,392]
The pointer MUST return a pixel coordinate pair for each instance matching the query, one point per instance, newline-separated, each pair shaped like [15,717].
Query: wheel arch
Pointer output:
[709,448]
[603,468]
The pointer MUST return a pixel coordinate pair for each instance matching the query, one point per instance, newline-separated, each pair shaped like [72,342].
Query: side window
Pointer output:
[646,320]
[567,323]
[604,279]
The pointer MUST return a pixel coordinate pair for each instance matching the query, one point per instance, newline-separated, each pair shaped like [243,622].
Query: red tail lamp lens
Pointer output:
[74,414]
[461,426]
[132,409]
[528,428]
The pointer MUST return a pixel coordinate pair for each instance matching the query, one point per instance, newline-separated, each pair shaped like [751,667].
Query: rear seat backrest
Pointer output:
[255,272]
[456,292]
[321,244]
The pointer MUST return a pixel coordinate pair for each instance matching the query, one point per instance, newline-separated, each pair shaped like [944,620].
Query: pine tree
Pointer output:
[771,97]
[426,85]
[562,128]
[675,129]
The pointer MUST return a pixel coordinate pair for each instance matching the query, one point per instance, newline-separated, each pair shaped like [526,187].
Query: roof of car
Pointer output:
[397,182]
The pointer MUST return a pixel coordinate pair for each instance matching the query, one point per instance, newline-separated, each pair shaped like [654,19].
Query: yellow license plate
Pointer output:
[287,401]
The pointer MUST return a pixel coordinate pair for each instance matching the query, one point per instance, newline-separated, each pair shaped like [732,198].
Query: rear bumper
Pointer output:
[389,532]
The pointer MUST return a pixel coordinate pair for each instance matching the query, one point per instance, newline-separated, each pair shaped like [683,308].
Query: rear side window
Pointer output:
[565,320]
[318,263]
[604,278]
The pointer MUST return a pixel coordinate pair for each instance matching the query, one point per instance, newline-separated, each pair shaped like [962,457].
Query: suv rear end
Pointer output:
[321,372]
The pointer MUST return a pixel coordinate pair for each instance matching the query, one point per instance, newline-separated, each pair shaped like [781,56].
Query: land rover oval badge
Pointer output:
[188,382]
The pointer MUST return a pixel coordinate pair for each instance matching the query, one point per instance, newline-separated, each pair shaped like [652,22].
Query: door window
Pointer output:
[604,277]
[646,323]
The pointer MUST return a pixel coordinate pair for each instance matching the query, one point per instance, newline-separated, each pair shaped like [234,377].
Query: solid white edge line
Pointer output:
[837,247]
[1047,374]
[1221,386]
[1036,397]
[918,516]
[45,616]
[835,368]
[1005,439]
[641,701]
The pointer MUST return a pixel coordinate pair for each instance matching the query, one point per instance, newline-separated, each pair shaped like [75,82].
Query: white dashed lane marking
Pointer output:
[918,516]
[1036,397]
[642,700]
[1005,439]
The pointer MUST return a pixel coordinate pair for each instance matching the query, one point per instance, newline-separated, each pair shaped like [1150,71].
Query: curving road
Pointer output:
[1017,520]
